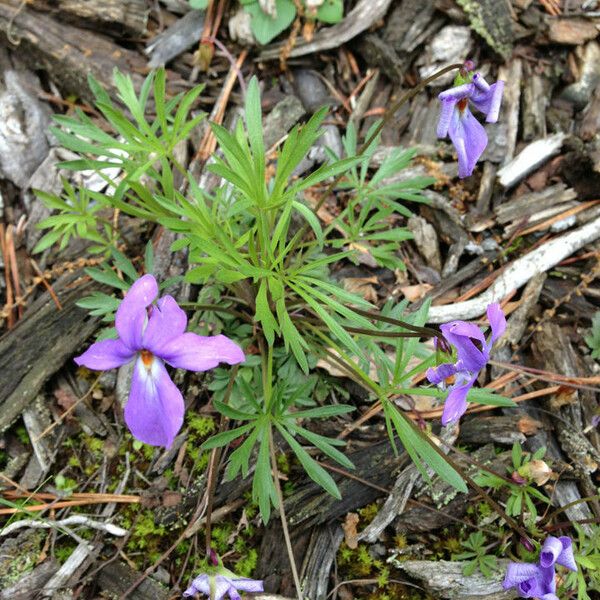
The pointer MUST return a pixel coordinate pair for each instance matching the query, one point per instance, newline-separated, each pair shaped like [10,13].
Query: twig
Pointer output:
[73,520]
[286,533]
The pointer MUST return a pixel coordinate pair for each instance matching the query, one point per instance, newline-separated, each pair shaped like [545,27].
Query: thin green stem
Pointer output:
[284,525]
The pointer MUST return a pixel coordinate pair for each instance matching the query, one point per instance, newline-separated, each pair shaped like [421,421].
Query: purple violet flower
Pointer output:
[538,580]
[153,334]
[467,134]
[473,353]
[216,586]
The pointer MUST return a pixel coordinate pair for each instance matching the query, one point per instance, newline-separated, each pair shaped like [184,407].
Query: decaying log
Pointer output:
[108,16]
[41,343]
[310,505]
[66,52]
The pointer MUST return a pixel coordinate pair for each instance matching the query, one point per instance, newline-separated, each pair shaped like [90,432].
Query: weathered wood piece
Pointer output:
[29,585]
[527,205]
[66,52]
[41,343]
[359,19]
[518,273]
[116,577]
[492,21]
[529,159]
[445,579]
[501,430]
[511,104]
[109,16]
[25,119]
[580,92]
[321,552]
[285,114]
[177,38]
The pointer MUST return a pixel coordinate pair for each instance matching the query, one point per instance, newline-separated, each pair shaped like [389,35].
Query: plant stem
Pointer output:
[213,466]
[286,533]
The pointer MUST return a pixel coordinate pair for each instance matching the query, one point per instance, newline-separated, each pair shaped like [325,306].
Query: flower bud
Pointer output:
[537,471]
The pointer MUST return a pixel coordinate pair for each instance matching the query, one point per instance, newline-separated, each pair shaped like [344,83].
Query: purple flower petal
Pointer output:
[530,588]
[489,102]
[248,585]
[167,321]
[440,373]
[199,353]
[547,580]
[457,93]
[497,321]
[222,586]
[549,597]
[200,585]
[462,329]
[566,557]
[471,358]
[517,573]
[154,411]
[233,594]
[106,354]
[480,83]
[550,551]
[469,139]
[445,117]
[456,402]
[131,314]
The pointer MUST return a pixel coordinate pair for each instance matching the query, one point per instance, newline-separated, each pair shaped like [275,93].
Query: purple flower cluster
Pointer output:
[538,580]
[152,335]
[216,586]
[466,132]
[473,353]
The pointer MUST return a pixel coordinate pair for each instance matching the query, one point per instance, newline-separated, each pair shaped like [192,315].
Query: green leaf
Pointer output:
[199,4]
[263,488]
[225,437]
[265,27]
[315,471]
[312,220]
[322,443]
[264,314]
[323,412]
[233,413]
[240,457]
[517,455]
[331,11]
[485,396]
[149,257]
[107,277]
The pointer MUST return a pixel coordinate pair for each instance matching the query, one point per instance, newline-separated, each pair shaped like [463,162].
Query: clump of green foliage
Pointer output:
[266,267]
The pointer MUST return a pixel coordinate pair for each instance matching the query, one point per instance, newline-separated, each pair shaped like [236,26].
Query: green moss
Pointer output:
[245,566]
